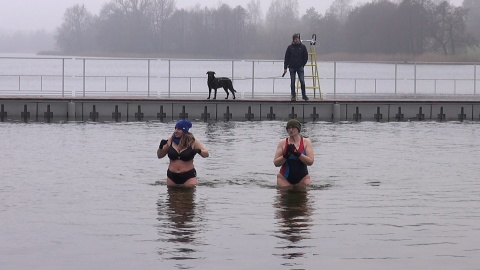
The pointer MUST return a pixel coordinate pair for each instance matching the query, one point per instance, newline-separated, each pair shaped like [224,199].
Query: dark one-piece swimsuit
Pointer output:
[294,170]
[186,155]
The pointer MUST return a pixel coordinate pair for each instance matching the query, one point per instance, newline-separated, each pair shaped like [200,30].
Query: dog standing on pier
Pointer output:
[220,82]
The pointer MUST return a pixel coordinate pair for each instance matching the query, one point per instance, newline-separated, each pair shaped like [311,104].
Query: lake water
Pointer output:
[384,196]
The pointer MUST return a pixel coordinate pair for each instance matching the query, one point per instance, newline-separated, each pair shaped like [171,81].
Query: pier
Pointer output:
[129,109]
[36,89]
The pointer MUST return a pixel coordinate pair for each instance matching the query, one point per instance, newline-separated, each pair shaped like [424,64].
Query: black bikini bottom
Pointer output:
[181,178]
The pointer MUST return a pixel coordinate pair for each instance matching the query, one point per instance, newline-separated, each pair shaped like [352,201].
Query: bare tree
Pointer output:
[281,23]
[448,29]
[132,7]
[110,25]
[330,35]
[379,26]
[125,26]
[175,30]
[254,12]
[239,30]
[473,18]
[282,14]
[370,28]
[229,30]
[73,33]
[413,16]
[159,12]
[341,9]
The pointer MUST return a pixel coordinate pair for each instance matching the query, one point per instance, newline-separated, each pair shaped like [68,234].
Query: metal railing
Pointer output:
[252,78]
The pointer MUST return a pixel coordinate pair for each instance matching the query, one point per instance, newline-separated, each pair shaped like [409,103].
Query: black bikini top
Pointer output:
[185,155]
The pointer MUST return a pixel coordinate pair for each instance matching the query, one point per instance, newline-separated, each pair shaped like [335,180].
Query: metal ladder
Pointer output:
[312,56]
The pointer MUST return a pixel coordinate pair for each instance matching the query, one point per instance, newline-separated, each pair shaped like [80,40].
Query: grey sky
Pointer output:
[29,15]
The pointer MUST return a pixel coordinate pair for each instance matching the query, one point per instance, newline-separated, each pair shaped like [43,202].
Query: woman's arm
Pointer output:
[203,150]
[308,158]
[278,160]
[163,148]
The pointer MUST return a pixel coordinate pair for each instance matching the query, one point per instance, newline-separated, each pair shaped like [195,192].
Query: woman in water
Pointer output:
[181,148]
[293,154]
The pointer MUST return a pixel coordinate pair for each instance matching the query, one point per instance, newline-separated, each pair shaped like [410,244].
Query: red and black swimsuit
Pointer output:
[294,170]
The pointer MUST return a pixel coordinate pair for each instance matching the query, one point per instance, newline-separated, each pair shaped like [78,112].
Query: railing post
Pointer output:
[396,77]
[83,77]
[475,80]
[63,77]
[253,78]
[335,80]
[41,82]
[148,82]
[415,79]
[233,72]
[19,83]
[169,78]
[273,86]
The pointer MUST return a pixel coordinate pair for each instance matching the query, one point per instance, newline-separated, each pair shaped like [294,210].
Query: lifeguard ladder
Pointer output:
[312,56]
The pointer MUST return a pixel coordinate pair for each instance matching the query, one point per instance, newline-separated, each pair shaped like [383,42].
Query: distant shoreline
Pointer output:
[333,57]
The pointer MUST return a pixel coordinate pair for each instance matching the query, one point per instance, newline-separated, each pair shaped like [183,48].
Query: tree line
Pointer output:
[157,27]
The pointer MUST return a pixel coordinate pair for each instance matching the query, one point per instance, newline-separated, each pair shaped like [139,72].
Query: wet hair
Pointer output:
[186,140]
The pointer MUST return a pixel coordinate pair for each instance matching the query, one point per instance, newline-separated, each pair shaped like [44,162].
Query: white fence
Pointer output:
[252,78]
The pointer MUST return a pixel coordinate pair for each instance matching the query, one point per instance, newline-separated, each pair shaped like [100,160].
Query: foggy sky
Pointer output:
[31,15]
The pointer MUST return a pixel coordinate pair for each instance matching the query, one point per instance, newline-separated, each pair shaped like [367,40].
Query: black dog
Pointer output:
[220,82]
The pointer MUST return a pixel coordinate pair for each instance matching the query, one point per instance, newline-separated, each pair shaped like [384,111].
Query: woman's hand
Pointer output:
[162,143]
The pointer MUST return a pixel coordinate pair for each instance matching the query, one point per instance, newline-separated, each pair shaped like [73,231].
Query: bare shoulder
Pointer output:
[197,144]
[307,141]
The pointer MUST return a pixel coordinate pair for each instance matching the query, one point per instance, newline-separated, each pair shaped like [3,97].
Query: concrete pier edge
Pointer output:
[120,109]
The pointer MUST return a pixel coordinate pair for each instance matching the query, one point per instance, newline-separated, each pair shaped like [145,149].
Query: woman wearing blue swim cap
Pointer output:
[181,148]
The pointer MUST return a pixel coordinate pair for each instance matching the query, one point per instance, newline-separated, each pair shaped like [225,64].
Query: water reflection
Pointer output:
[177,223]
[294,213]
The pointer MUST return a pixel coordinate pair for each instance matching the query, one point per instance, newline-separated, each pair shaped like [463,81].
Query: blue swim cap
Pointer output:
[184,125]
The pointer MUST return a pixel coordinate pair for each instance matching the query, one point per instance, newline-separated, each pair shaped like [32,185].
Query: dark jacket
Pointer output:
[296,56]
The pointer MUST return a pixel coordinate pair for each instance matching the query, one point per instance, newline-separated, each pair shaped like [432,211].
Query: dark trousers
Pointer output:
[301,77]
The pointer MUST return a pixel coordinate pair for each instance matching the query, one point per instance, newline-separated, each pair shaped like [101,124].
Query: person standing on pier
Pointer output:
[293,155]
[181,148]
[296,57]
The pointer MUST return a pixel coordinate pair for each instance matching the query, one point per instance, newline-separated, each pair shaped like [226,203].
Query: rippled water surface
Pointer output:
[385,196]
